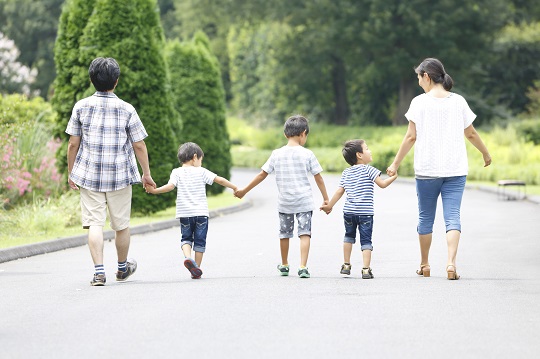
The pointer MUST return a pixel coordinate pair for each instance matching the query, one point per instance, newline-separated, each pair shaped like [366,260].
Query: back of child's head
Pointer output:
[350,149]
[104,72]
[295,125]
[187,150]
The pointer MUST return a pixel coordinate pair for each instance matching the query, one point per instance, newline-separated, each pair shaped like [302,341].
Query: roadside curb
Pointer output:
[28,250]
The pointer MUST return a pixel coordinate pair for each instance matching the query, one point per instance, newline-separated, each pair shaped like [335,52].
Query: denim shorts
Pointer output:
[451,191]
[194,230]
[365,229]
[286,224]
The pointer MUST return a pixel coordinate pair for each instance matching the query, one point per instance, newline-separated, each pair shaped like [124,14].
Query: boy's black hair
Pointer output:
[295,125]
[187,150]
[350,149]
[104,72]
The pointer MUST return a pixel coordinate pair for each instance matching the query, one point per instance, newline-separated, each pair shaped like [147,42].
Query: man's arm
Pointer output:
[72,150]
[142,156]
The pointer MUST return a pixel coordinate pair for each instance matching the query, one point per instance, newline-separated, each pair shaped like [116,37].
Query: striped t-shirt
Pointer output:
[358,182]
[190,183]
[293,165]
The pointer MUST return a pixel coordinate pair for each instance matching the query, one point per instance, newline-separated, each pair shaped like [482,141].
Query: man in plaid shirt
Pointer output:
[106,135]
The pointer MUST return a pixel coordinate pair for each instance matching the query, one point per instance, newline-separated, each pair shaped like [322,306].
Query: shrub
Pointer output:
[199,97]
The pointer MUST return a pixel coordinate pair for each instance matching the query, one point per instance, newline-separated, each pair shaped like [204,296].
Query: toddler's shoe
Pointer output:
[303,272]
[346,269]
[366,273]
[283,269]
[193,268]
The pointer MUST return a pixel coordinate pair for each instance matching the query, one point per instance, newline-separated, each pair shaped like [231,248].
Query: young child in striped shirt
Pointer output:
[190,180]
[357,182]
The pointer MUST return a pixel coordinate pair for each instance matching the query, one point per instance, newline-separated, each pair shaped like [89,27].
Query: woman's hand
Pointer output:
[487,159]
[392,170]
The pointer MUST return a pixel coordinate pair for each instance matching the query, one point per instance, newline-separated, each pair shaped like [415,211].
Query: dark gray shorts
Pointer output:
[286,224]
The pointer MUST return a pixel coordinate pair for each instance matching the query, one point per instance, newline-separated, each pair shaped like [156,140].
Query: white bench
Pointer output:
[520,192]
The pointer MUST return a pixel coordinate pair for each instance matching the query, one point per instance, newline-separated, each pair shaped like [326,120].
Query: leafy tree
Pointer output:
[33,26]
[14,76]
[132,34]
[200,99]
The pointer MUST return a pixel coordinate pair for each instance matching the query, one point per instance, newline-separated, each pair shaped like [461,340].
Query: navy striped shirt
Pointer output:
[358,182]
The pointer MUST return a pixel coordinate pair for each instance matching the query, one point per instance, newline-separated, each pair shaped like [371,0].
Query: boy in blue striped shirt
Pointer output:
[357,182]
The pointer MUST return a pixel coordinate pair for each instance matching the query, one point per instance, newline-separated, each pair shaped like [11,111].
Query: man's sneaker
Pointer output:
[99,280]
[193,268]
[346,269]
[130,269]
[366,273]
[303,273]
[283,269]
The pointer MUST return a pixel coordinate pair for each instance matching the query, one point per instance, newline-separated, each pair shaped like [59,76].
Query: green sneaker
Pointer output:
[346,269]
[283,269]
[366,273]
[303,273]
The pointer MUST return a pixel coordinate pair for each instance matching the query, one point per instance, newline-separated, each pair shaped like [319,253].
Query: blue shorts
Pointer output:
[194,230]
[365,229]
[451,191]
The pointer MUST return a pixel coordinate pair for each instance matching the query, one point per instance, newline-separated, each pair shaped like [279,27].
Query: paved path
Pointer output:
[243,309]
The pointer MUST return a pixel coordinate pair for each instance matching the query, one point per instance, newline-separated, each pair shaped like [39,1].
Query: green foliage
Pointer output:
[131,33]
[32,25]
[199,97]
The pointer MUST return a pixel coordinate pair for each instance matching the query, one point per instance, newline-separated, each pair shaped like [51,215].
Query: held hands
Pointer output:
[392,170]
[240,193]
[148,184]
[326,208]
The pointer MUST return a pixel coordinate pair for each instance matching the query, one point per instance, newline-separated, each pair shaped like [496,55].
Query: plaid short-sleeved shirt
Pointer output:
[108,127]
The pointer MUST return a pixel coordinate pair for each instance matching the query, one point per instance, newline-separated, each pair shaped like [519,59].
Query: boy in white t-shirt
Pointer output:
[357,182]
[293,164]
[190,181]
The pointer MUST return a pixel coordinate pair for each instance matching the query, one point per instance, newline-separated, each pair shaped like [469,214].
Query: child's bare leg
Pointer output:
[304,249]
[186,249]
[366,256]
[284,247]
[347,250]
[198,258]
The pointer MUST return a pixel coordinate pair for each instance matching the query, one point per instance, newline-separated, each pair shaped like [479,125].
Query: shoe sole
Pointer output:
[283,274]
[347,273]
[129,275]
[196,272]
[97,284]
[304,275]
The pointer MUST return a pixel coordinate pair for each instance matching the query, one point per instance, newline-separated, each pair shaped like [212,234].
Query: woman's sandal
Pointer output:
[424,270]
[452,274]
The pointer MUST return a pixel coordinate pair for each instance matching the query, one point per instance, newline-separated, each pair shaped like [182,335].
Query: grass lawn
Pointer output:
[43,226]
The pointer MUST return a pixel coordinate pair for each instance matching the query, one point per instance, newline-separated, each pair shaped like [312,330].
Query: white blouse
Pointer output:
[440,141]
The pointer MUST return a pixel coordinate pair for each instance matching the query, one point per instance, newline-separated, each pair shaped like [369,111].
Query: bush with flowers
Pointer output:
[27,151]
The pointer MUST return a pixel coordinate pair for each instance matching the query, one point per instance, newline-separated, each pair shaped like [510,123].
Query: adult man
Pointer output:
[106,134]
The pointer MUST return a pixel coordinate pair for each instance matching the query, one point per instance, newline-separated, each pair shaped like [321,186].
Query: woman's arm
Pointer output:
[474,138]
[406,145]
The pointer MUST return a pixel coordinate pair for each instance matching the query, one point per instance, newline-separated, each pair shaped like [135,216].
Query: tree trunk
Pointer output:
[406,94]
[339,84]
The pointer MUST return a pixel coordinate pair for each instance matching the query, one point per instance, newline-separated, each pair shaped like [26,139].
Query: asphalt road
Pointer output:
[242,308]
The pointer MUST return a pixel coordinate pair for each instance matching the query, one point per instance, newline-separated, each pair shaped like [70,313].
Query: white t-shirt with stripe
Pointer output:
[440,150]
[293,165]
[190,183]
[358,182]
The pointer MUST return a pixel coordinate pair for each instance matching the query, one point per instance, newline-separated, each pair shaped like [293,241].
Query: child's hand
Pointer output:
[326,208]
[150,189]
[239,193]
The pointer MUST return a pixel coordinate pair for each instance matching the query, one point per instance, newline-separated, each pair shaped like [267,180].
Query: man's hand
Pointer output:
[72,185]
[147,181]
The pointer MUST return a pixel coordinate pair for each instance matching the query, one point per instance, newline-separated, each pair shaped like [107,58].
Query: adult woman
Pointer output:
[438,122]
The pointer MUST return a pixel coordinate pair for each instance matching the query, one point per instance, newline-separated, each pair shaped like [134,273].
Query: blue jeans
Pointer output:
[428,191]
[365,229]
[194,230]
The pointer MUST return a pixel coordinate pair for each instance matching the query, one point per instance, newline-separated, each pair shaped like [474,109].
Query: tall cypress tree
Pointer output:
[131,32]
[199,97]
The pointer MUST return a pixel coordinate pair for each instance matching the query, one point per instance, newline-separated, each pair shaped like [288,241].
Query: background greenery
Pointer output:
[345,64]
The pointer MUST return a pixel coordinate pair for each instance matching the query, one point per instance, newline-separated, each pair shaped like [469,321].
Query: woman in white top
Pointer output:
[439,120]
